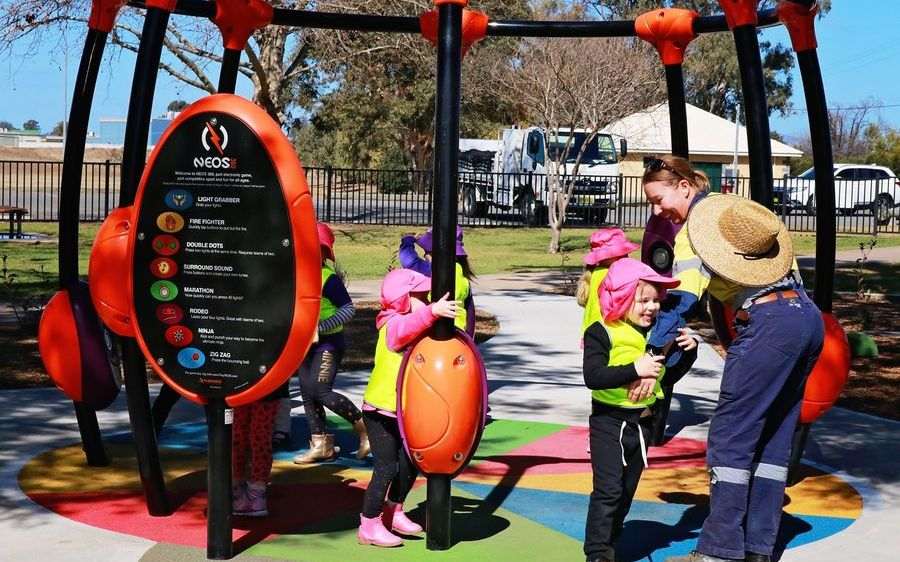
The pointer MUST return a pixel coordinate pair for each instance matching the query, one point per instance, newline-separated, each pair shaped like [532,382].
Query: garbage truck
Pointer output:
[510,173]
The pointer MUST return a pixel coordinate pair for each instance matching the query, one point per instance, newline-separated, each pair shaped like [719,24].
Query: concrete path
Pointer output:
[534,367]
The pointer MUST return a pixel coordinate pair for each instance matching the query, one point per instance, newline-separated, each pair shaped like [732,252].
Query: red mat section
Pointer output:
[291,508]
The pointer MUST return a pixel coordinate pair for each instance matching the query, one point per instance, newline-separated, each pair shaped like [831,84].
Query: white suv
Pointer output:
[856,187]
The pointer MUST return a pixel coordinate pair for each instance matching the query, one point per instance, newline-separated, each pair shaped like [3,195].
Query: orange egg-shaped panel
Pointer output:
[830,373]
[109,270]
[441,395]
[58,345]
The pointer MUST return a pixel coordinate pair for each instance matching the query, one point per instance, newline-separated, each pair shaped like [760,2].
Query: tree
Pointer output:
[712,76]
[31,125]
[377,91]
[7,125]
[568,84]
[176,105]
[57,129]
[884,146]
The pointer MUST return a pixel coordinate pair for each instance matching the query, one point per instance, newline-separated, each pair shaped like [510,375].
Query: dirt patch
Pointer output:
[21,367]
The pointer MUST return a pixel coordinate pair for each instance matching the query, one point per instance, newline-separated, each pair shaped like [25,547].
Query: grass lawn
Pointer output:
[365,252]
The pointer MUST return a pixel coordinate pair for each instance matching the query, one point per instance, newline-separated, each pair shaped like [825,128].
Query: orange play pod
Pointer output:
[830,373]
[442,398]
[109,271]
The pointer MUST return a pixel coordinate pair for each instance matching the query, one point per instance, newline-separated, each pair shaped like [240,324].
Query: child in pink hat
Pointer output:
[624,380]
[607,246]
[405,315]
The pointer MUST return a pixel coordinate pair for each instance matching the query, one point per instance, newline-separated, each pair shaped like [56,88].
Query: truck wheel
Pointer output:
[811,206]
[530,210]
[469,205]
[882,209]
[598,216]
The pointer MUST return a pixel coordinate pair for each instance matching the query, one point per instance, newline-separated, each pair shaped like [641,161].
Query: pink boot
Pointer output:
[372,531]
[393,518]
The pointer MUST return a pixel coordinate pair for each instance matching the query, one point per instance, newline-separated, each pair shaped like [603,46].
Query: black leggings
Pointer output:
[392,466]
[317,374]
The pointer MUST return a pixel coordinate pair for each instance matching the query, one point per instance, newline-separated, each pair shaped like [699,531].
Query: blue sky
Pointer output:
[858,51]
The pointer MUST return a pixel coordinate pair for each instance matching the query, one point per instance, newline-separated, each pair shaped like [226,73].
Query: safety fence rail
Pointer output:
[403,197]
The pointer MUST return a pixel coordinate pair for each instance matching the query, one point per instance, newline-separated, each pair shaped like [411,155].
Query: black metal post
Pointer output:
[218,482]
[152,480]
[823,161]
[446,160]
[678,128]
[231,60]
[759,141]
[69,212]
[134,155]
[798,444]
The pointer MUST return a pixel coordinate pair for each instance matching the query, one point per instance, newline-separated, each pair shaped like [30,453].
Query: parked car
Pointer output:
[857,187]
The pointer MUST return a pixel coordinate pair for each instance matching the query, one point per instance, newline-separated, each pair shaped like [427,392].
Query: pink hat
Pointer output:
[608,243]
[326,240]
[618,287]
[397,286]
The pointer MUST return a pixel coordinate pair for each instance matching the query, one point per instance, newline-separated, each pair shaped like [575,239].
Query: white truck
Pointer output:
[510,173]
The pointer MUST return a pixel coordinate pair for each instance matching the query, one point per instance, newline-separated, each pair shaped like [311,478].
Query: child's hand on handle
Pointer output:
[685,341]
[649,366]
[444,308]
[641,389]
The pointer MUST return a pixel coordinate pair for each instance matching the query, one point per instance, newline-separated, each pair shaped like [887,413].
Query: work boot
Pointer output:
[321,448]
[359,427]
[753,557]
[393,518]
[699,557]
[373,532]
[257,506]
[239,501]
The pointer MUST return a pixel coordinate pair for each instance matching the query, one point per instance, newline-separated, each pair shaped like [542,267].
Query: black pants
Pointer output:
[317,374]
[393,468]
[615,480]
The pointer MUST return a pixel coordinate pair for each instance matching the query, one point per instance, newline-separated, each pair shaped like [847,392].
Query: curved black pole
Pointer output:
[70,211]
[231,60]
[134,154]
[678,128]
[757,114]
[446,160]
[823,162]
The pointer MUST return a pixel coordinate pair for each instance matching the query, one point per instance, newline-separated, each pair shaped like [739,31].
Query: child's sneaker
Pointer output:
[239,501]
[256,497]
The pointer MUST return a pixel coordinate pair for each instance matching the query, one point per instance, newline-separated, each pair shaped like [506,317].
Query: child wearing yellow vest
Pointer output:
[405,315]
[607,246]
[624,380]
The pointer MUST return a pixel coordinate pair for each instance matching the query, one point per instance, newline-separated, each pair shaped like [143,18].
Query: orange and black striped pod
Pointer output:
[442,400]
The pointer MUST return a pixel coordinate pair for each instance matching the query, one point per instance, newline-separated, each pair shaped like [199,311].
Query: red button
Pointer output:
[166,245]
[178,336]
[163,267]
[169,313]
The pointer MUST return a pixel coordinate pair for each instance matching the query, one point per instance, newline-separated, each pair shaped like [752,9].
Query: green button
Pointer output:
[164,291]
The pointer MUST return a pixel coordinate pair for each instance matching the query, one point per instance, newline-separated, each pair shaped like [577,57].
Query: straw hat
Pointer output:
[740,240]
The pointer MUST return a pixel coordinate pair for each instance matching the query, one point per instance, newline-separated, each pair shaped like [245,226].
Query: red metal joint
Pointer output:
[800,23]
[739,12]
[103,14]
[238,19]
[165,5]
[670,30]
[474,27]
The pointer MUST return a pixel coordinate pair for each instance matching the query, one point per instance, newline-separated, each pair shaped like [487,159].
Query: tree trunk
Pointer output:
[555,234]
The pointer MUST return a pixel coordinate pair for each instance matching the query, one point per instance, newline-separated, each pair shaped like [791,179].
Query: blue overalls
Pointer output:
[749,441]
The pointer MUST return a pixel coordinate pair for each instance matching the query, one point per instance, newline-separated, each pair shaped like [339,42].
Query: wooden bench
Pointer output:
[15,220]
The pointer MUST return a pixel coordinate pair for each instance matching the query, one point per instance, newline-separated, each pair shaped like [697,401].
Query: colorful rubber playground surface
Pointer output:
[524,497]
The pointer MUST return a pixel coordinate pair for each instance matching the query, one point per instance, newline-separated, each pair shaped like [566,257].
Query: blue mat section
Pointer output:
[653,530]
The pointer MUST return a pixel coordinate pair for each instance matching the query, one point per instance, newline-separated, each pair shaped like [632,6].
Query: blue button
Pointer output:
[191,358]
[179,199]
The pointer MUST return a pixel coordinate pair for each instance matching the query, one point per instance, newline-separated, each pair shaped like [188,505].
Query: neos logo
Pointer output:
[215,136]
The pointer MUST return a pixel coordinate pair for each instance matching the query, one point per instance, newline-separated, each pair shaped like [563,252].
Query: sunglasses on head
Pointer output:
[658,164]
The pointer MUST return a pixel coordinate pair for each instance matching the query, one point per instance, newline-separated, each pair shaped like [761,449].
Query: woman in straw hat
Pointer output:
[742,253]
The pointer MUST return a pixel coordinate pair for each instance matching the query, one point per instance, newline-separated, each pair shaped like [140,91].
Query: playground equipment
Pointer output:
[147,232]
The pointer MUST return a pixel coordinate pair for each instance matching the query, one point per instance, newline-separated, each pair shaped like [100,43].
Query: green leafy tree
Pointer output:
[176,105]
[31,125]
[7,125]
[58,129]
[884,146]
[712,76]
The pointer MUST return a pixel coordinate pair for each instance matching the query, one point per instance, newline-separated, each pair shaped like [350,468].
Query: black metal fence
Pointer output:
[404,197]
